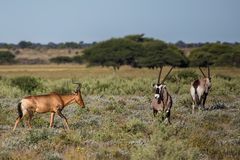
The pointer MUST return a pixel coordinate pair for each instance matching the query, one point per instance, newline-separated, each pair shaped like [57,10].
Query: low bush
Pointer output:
[26,83]
[6,57]
[61,59]
[78,59]
[63,88]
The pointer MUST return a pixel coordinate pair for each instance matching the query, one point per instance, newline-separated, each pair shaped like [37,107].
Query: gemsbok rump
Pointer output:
[199,90]
[162,101]
[52,102]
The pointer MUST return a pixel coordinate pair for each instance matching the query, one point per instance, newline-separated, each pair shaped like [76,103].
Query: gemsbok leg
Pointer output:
[168,113]
[204,99]
[155,112]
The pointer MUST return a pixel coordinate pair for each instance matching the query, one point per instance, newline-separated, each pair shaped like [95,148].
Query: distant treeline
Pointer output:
[82,44]
[50,45]
[181,44]
[139,51]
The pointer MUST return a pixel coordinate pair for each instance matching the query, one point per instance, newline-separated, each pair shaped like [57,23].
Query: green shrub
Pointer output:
[63,88]
[135,126]
[6,57]
[61,59]
[78,59]
[184,75]
[222,76]
[187,75]
[26,83]
[37,135]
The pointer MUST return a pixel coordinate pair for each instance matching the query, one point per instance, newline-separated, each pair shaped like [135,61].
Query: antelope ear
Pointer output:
[74,92]
[163,86]
[153,84]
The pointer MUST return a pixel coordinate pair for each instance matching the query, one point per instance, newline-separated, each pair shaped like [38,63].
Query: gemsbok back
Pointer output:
[199,90]
[162,101]
[52,102]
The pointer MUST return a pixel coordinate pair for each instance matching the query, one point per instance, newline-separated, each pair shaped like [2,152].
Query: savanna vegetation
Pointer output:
[118,122]
[134,50]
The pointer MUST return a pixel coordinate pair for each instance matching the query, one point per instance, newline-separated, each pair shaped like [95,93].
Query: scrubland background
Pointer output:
[118,123]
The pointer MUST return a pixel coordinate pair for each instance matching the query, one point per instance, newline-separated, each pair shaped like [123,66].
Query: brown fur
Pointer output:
[52,102]
[163,104]
[199,91]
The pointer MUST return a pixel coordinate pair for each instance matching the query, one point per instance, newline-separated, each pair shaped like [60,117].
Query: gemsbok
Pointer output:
[52,102]
[199,90]
[162,101]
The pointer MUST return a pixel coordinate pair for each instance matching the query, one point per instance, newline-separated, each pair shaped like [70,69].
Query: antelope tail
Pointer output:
[19,108]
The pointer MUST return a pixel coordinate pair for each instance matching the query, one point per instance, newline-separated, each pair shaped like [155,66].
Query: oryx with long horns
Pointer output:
[162,101]
[199,90]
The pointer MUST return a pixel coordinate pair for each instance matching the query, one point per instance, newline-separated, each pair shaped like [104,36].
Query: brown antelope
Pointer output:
[162,101]
[199,90]
[52,102]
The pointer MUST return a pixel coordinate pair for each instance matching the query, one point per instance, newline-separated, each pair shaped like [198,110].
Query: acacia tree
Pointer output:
[134,50]
[158,53]
[114,53]
[216,54]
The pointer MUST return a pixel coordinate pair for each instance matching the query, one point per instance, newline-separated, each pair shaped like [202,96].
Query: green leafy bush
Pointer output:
[6,57]
[61,59]
[78,59]
[216,54]
[26,83]
[63,88]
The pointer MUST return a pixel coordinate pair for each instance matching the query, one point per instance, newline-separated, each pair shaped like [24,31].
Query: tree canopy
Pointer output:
[217,54]
[134,50]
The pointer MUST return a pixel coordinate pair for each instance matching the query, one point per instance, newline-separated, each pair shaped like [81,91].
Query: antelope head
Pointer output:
[160,86]
[77,95]
[207,79]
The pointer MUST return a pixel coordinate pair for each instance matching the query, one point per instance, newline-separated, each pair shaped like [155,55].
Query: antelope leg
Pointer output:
[52,119]
[18,120]
[30,114]
[204,100]
[16,123]
[155,112]
[193,107]
[64,118]
[168,114]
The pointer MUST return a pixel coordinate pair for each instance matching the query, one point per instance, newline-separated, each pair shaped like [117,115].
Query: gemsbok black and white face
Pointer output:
[162,101]
[159,90]
[199,90]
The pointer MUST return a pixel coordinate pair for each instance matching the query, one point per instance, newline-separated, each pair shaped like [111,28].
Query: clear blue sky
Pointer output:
[96,20]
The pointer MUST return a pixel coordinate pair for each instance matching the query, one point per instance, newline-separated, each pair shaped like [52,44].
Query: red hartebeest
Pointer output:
[199,90]
[53,103]
[162,101]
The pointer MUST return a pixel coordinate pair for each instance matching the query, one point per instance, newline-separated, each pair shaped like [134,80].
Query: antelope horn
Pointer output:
[209,72]
[202,71]
[167,75]
[79,85]
[159,76]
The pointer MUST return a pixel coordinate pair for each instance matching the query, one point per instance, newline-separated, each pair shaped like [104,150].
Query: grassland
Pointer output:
[119,123]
